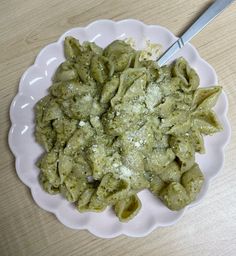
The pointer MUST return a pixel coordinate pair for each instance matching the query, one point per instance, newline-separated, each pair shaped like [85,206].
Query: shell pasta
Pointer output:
[114,124]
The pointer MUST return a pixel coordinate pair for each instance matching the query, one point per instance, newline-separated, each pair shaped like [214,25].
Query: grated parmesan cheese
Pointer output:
[153,97]
[151,51]
[82,123]
[125,171]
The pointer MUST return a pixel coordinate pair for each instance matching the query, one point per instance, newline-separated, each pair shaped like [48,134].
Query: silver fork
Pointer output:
[216,8]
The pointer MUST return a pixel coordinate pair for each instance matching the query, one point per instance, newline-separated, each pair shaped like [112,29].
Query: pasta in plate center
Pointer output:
[114,124]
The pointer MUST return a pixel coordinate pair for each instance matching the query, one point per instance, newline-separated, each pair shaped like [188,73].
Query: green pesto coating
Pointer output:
[113,125]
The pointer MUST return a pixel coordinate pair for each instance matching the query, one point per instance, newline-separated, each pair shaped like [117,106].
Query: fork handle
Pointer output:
[216,8]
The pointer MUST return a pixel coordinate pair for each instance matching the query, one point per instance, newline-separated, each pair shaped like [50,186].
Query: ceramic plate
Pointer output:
[33,86]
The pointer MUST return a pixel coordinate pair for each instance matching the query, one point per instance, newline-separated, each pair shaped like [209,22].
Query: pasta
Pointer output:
[114,123]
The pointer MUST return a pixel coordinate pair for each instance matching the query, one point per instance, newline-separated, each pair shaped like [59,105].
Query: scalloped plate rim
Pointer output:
[93,230]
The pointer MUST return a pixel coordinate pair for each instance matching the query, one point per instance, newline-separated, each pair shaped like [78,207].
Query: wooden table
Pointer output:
[25,229]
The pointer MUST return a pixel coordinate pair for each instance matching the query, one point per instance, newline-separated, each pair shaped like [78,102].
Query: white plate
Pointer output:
[33,86]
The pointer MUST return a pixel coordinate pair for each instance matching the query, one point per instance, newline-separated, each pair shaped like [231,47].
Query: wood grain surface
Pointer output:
[25,229]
